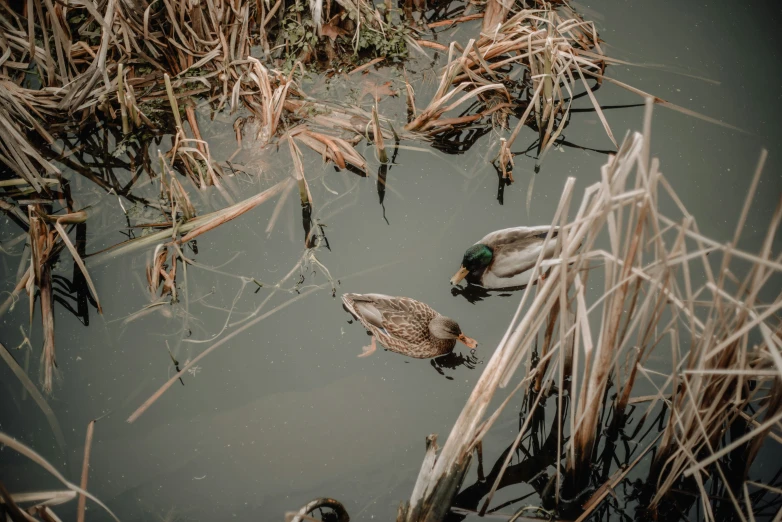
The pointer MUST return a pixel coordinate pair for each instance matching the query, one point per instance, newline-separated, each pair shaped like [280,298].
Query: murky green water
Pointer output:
[285,411]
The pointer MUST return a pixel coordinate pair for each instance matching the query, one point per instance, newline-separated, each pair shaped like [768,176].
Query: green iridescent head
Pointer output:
[476,259]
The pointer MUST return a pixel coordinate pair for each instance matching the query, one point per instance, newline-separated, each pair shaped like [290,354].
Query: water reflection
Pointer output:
[461,139]
[475,294]
[502,182]
[619,445]
[382,179]
[452,361]
[74,295]
[306,220]
[535,457]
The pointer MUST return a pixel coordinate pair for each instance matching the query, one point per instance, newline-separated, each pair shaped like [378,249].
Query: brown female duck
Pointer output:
[405,326]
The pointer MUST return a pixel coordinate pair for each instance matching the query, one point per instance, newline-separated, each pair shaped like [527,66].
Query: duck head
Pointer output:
[476,259]
[445,328]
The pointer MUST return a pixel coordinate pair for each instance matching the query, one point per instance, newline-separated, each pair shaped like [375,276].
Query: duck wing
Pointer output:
[400,317]
[509,236]
[516,250]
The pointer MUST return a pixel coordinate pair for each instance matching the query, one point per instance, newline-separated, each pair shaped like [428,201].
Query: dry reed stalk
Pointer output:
[17,446]
[442,100]
[210,43]
[39,399]
[190,229]
[505,159]
[377,133]
[69,218]
[494,15]
[558,48]
[522,431]
[13,512]
[273,99]
[598,496]
[15,149]
[304,189]
[278,208]
[331,148]
[121,98]
[85,471]
[21,285]
[42,246]
[649,300]
[367,65]
[50,498]
[435,492]
[454,21]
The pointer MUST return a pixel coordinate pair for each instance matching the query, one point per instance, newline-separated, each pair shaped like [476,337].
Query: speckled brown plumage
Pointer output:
[400,324]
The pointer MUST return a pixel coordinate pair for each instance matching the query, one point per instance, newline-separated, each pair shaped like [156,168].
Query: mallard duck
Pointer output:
[504,258]
[405,326]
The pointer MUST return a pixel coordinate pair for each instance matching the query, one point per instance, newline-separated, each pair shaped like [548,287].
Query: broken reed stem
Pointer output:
[173,102]
[304,190]
[32,389]
[85,471]
[379,145]
[649,300]
[607,488]
[20,448]
[48,360]
[121,98]
[19,181]
[191,228]
[76,258]
[585,436]
[21,285]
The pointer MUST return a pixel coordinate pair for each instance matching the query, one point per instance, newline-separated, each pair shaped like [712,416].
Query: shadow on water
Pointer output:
[622,441]
[502,182]
[74,295]
[453,360]
[475,294]
[535,455]
[382,179]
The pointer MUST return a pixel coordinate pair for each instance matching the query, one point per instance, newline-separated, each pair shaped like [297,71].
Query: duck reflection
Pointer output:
[475,293]
[452,361]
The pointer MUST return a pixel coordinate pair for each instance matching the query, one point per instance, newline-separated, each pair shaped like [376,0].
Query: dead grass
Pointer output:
[547,52]
[654,271]
[118,61]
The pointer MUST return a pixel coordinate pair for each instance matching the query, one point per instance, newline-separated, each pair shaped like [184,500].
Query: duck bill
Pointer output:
[469,341]
[458,276]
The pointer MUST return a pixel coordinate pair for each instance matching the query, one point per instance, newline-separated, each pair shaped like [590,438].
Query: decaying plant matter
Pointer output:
[141,69]
[665,287]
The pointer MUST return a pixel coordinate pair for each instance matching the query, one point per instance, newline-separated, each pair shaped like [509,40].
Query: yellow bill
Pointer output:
[458,276]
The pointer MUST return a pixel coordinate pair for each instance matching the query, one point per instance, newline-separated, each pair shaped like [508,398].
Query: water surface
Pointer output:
[285,411]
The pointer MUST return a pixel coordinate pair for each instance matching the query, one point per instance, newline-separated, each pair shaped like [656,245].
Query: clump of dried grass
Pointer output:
[46,237]
[543,55]
[657,270]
